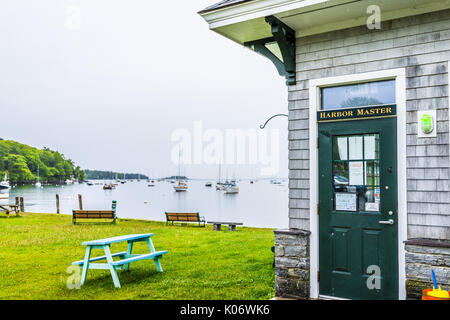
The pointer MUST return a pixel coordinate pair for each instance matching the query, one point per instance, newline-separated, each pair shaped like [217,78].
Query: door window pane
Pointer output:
[359,95]
[355,145]
[370,147]
[340,148]
[356,173]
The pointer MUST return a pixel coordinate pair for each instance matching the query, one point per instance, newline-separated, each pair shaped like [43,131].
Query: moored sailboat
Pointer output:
[37,184]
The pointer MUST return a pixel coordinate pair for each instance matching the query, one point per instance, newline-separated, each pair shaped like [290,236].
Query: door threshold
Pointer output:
[324,297]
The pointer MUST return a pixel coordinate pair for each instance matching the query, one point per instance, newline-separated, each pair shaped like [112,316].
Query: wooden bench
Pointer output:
[93,214]
[8,208]
[185,217]
[231,225]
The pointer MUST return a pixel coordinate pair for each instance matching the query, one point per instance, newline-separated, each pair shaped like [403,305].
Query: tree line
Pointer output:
[110,175]
[21,163]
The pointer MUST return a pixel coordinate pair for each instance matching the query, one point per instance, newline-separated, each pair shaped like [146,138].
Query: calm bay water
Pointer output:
[257,205]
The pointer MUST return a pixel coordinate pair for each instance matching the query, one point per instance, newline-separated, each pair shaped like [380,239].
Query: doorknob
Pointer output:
[390,221]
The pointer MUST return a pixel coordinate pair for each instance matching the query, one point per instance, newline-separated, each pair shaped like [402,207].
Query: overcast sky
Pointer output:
[110,92]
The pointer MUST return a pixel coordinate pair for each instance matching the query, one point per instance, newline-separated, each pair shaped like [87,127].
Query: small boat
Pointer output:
[108,186]
[151,185]
[4,185]
[220,186]
[231,189]
[68,181]
[208,184]
[89,183]
[181,186]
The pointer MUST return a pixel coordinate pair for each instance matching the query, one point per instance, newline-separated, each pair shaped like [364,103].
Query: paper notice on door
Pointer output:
[345,201]
[356,173]
[372,206]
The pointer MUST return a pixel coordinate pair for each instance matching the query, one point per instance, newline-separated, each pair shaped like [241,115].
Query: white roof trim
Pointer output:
[253,10]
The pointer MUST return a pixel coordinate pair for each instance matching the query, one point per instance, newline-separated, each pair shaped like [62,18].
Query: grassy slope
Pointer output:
[37,249]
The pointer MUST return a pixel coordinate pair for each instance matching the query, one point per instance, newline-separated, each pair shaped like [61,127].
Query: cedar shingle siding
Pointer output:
[422,45]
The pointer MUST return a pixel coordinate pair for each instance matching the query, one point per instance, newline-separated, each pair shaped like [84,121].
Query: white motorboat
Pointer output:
[4,185]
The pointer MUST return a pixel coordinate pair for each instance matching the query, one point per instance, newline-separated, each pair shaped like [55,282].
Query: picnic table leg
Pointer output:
[87,256]
[130,248]
[111,267]
[156,260]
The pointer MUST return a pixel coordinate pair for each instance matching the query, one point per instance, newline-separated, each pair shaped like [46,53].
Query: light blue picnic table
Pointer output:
[125,257]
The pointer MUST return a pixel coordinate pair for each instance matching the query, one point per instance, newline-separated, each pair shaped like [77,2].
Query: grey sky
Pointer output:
[110,94]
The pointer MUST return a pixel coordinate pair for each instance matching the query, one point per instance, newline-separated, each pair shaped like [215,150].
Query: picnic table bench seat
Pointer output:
[81,262]
[125,257]
[137,257]
[185,217]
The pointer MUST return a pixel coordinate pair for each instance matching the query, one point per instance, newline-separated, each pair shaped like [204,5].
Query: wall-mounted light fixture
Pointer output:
[426,121]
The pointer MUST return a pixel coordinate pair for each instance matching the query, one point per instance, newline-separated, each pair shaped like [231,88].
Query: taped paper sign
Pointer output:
[345,201]
[356,173]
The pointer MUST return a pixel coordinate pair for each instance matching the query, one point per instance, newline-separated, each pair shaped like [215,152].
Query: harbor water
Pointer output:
[260,204]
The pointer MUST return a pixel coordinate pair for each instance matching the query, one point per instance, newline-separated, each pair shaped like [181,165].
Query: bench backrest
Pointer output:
[94,214]
[182,216]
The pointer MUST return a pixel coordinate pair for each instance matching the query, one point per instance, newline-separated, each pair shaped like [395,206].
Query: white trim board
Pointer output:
[314,86]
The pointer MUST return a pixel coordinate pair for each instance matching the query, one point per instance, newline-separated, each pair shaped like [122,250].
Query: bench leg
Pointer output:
[231,227]
[87,257]
[216,227]
[130,248]
[158,265]
[111,268]
[152,249]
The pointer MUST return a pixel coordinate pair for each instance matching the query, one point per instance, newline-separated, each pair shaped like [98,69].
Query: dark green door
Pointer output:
[358,256]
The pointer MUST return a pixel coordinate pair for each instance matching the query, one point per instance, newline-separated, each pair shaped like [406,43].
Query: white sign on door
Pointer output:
[345,201]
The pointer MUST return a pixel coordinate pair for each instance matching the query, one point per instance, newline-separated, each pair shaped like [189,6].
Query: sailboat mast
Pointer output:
[179,164]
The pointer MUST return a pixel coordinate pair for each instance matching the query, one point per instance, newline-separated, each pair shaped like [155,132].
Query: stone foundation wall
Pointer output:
[422,256]
[292,263]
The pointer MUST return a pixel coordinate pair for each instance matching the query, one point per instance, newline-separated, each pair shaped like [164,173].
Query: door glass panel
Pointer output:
[356,172]
[355,144]
[340,148]
[370,147]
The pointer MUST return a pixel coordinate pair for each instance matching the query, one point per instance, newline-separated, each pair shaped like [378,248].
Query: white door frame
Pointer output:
[314,86]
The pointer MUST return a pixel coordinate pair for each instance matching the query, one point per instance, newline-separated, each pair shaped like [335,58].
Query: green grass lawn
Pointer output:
[37,249]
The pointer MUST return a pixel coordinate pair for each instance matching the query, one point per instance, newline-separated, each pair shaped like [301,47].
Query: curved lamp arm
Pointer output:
[277,115]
